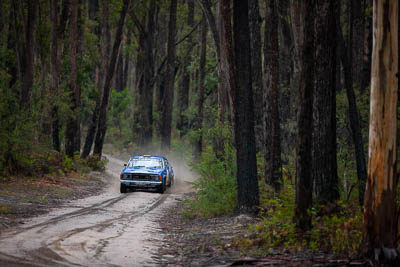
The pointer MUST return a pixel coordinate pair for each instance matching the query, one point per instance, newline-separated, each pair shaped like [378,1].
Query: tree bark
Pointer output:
[104,52]
[288,97]
[200,98]
[296,11]
[168,97]
[42,46]
[27,73]
[119,75]
[272,136]
[74,91]
[127,59]
[345,56]
[1,17]
[223,102]
[53,88]
[145,67]
[256,70]
[324,164]
[57,31]
[367,49]
[93,7]
[102,123]
[303,201]
[183,97]
[247,182]
[285,44]
[357,39]
[380,210]
[227,63]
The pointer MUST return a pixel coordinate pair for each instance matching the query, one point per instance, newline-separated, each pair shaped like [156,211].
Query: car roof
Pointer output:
[147,156]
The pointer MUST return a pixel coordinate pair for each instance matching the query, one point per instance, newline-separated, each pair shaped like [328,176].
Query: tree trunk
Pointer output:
[272,142]
[296,12]
[247,182]
[78,90]
[1,17]
[357,39]
[256,70]
[145,84]
[200,98]
[45,131]
[119,75]
[380,209]
[105,51]
[345,55]
[225,109]
[168,97]
[102,124]
[56,34]
[27,73]
[74,92]
[367,49]
[127,59]
[222,74]
[324,164]
[93,7]
[303,201]
[184,88]
[288,97]
[227,64]
[285,44]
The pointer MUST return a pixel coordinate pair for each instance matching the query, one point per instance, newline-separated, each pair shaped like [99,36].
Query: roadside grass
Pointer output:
[43,190]
[336,228]
[44,181]
[5,208]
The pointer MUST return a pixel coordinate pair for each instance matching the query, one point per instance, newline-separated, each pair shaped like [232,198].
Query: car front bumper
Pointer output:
[141,184]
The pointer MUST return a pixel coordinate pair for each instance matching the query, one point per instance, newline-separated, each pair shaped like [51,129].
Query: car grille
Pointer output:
[136,176]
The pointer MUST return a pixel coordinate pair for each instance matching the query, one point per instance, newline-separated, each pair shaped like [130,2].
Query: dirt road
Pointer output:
[110,229]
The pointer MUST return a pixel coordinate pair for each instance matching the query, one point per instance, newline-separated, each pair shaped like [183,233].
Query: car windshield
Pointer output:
[145,163]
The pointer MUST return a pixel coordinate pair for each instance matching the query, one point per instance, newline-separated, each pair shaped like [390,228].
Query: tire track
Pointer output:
[111,232]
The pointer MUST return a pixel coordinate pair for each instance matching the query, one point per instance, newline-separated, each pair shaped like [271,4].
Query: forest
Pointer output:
[287,109]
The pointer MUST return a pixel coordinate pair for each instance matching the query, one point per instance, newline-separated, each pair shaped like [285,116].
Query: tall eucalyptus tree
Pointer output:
[272,136]
[168,96]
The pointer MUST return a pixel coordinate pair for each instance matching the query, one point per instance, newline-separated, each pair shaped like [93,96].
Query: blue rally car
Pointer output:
[147,172]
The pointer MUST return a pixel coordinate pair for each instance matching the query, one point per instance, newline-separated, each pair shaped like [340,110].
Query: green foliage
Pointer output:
[277,228]
[340,233]
[347,171]
[15,130]
[336,230]
[216,187]
[96,165]
[38,163]
[119,119]
[181,148]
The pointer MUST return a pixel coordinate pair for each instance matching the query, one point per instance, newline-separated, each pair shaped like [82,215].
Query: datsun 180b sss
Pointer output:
[147,172]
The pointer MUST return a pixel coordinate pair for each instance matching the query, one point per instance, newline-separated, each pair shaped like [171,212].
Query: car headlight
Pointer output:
[156,177]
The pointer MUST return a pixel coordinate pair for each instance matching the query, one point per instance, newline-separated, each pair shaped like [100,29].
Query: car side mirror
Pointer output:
[125,165]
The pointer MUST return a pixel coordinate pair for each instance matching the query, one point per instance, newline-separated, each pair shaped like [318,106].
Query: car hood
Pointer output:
[143,170]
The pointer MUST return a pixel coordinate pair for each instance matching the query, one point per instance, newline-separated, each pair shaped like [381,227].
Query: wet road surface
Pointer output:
[110,229]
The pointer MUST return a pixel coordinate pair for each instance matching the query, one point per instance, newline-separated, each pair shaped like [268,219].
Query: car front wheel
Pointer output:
[171,181]
[122,188]
[162,188]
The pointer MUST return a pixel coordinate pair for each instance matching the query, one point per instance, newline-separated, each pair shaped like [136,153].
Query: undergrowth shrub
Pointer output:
[39,163]
[216,187]
[336,232]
